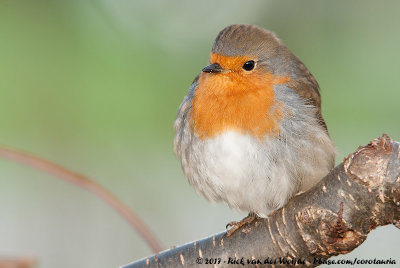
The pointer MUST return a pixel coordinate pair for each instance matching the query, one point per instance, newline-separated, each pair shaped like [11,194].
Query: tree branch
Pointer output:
[332,218]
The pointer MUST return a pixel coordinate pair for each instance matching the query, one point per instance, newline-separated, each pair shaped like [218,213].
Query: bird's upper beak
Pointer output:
[213,68]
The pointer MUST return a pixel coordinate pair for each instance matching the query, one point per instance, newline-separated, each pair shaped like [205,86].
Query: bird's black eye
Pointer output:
[249,65]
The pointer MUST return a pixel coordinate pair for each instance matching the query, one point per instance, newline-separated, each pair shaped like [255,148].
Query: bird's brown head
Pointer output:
[250,52]
[236,90]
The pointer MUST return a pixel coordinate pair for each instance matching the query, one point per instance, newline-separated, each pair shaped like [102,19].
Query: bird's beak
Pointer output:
[213,68]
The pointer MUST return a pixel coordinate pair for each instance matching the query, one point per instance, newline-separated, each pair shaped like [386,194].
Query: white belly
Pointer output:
[242,171]
[253,175]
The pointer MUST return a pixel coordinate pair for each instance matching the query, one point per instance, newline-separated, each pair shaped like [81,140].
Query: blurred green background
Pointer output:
[95,85]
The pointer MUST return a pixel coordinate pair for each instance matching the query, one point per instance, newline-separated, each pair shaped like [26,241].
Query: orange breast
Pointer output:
[236,100]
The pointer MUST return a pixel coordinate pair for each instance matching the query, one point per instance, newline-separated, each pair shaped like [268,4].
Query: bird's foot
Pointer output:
[235,225]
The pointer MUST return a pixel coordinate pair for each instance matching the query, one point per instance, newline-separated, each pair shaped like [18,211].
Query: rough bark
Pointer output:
[333,218]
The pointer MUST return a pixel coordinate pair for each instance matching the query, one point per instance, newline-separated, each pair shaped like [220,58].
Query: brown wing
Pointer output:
[307,87]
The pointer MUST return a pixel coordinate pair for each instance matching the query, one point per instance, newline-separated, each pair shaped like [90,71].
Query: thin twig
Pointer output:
[88,184]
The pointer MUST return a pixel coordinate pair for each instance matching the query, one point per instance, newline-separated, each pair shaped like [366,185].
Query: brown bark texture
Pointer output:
[332,218]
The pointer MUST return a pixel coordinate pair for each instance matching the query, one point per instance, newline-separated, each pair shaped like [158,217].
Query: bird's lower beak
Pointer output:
[213,68]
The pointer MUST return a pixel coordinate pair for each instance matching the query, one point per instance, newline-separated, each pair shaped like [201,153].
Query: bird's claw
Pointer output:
[237,224]
[232,223]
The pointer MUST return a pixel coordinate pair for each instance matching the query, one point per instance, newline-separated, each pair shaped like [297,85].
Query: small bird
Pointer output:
[250,131]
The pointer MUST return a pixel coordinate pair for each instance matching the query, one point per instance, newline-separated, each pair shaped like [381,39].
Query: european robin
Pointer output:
[250,131]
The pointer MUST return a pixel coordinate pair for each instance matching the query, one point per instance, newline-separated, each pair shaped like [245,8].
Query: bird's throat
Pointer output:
[232,101]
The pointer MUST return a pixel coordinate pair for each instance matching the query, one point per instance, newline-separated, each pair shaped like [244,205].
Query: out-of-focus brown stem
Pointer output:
[18,262]
[88,184]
